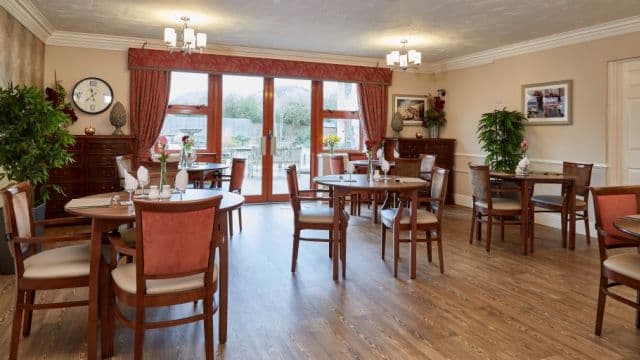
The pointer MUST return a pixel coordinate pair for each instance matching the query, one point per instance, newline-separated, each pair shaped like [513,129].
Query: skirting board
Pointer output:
[546,219]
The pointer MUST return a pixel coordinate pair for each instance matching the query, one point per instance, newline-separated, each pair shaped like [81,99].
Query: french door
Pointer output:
[268,122]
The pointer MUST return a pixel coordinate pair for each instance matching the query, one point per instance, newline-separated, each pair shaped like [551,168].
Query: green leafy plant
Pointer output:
[33,139]
[500,134]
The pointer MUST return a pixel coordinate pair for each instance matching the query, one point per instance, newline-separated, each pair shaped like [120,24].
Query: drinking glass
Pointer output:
[143,183]
[385,166]
[130,189]
[350,169]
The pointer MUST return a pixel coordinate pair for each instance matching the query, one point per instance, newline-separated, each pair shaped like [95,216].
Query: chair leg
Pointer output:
[17,324]
[428,235]
[296,242]
[473,224]
[384,239]
[330,243]
[28,312]
[638,310]
[502,228]
[563,227]
[208,328]
[240,218]
[532,230]
[602,298]
[230,224]
[106,318]
[587,232]
[396,250]
[139,334]
[489,226]
[343,250]
[479,226]
[440,254]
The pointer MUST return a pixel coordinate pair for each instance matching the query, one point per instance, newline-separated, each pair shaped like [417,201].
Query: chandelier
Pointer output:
[404,59]
[190,39]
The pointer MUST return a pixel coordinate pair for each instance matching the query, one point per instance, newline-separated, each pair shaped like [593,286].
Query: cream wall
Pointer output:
[408,83]
[74,64]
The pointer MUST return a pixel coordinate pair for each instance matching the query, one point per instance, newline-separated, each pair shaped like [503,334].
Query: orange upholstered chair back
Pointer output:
[609,204]
[336,165]
[175,238]
[237,174]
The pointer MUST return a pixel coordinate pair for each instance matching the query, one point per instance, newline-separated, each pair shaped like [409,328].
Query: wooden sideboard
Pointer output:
[93,170]
[444,149]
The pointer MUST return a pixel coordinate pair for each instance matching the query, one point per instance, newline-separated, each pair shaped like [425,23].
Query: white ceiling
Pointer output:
[442,29]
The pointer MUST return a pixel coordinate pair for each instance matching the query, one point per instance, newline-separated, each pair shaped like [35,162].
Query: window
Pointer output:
[188,110]
[341,114]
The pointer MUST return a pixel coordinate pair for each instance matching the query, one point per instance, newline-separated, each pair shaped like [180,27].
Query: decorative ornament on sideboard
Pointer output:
[118,118]
[90,130]
[397,124]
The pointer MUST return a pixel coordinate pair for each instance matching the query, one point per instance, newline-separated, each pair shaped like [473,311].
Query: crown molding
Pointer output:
[123,43]
[590,33]
[28,15]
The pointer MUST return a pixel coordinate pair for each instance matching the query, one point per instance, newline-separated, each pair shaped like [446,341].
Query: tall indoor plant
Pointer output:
[500,134]
[33,139]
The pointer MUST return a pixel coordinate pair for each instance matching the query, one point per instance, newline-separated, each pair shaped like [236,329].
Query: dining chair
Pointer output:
[124,164]
[487,206]
[560,203]
[313,218]
[428,220]
[352,156]
[426,165]
[621,268]
[235,180]
[174,263]
[36,269]
[407,167]
[336,165]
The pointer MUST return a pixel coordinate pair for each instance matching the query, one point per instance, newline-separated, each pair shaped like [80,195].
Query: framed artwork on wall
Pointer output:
[547,103]
[411,108]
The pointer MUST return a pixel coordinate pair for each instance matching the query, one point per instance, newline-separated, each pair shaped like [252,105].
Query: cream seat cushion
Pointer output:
[318,215]
[625,264]
[500,204]
[423,216]
[61,262]
[556,200]
[125,277]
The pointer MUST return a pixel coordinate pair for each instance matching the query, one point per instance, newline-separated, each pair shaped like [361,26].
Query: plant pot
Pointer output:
[434,132]
[6,260]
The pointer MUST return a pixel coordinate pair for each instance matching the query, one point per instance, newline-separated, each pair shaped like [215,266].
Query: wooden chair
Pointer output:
[174,264]
[57,268]
[487,206]
[622,268]
[428,220]
[408,167]
[313,218]
[235,180]
[336,165]
[426,165]
[358,156]
[124,164]
[559,203]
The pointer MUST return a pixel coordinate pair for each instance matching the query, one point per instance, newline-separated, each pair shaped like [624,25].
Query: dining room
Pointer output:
[249,180]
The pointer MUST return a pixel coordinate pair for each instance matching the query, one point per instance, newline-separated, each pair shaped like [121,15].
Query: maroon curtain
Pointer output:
[149,98]
[373,110]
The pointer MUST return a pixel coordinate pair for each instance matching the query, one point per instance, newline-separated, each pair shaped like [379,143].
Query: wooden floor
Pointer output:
[501,305]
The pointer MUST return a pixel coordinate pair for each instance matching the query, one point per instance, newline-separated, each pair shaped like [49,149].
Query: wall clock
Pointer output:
[92,95]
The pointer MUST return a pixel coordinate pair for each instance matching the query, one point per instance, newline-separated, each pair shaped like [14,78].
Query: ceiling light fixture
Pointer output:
[190,39]
[404,58]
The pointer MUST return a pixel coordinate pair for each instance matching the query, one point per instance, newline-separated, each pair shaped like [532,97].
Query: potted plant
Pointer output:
[33,139]
[435,116]
[500,134]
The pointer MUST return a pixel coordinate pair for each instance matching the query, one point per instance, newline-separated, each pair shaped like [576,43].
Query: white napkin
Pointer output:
[182,179]
[143,175]
[396,154]
[130,182]
[379,154]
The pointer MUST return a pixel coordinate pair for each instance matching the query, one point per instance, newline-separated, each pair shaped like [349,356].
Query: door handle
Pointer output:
[263,145]
[272,146]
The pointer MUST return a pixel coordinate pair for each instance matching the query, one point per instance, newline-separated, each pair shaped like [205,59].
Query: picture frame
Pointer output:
[548,103]
[411,108]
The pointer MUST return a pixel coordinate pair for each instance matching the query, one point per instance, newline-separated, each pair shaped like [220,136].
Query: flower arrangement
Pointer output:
[435,115]
[57,97]
[331,141]
[187,143]
[372,146]
[162,145]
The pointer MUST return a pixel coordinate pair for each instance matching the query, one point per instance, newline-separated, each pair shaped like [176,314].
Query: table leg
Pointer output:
[524,226]
[223,296]
[572,214]
[414,231]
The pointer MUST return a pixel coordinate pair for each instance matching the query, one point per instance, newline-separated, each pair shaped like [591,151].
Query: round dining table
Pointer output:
[106,218]
[343,185]
[629,225]
[199,170]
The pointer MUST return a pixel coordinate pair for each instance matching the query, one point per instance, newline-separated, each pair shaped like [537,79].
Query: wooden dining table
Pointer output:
[344,185]
[106,218]
[629,225]
[199,170]
[526,184]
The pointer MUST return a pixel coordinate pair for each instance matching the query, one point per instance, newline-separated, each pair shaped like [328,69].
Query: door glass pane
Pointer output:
[177,125]
[292,132]
[347,129]
[242,127]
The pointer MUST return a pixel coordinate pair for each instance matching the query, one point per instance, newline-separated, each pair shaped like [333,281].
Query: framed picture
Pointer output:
[411,108]
[547,103]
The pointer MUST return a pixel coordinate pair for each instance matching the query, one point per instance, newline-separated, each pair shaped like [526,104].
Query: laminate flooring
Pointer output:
[498,305]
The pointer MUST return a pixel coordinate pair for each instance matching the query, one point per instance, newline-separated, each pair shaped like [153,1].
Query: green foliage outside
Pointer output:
[242,107]
[500,133]
[33,139]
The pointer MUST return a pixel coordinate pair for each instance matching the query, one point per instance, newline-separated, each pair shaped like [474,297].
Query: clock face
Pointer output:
[92,95]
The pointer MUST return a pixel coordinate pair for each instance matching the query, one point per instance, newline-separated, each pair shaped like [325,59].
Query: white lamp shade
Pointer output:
[170,37]
[390,60]
[414,56]
[201,40]
[403,61]
[418,58]
[394,56]
[188,36]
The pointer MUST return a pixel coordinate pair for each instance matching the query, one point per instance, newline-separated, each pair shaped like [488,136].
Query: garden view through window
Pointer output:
[341,114]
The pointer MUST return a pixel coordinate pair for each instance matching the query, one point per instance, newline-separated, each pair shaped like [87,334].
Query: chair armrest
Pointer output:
[431,199]
[121,247]
[313,198]
[52,239]
[72,220]
[310,191]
